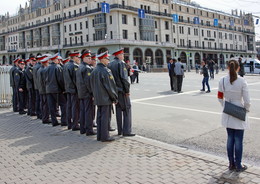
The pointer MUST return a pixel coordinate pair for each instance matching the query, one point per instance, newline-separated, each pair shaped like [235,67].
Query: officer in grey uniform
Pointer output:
[37,95]
[69,74]
[123,107]
[30,85]
[12,84]
[55,89]
[20,84]
[105,94]
[85,95]
[41,83]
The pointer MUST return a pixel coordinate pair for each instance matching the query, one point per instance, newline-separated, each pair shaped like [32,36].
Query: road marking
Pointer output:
[164,96]
[177,94]
[189,109]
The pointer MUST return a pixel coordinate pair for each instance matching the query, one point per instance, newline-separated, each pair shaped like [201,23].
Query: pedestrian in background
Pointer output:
[205,73]
[211,66]
[179,71]
[234,89]
[136,72]
[241,66]
[172,75]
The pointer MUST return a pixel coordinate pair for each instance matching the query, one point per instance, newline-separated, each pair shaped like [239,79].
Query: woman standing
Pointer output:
[234,90]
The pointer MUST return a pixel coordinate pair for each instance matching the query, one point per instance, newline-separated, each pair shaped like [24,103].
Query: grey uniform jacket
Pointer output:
[29,77]
[41,80]
[119,72]
[54,79]
[103,86]
[83,80]
[69,74]
[11,73]
[35,69]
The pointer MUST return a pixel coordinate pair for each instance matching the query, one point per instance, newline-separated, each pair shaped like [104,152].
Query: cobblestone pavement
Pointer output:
[31,152]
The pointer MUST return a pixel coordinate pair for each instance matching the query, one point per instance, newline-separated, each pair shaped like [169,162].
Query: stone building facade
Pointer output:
[51,26]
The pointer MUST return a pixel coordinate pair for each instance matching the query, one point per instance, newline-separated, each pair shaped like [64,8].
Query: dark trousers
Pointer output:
[205,81]
[21,101]
[31,104]
[15,99]
[123,114]
[69,110]
[103,122]
[235,146]
[38,104]
[74,110]
[86,115]
[173,82]
[53,99]
[211,72]
[44,108]
[136,76]
[179,82]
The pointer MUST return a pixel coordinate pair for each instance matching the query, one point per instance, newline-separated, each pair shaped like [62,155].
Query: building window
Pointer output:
[70,28]
[167,38]
[111,34]
[125,34]
[110,19]
[188,30]
[156,38]
[65,29]
[124,19]
[202,32]
[135,36]
[166,25]
[75,26]
[93,23]
[173,28]
[86,24]
[155,24]
[134,21]
[80,24]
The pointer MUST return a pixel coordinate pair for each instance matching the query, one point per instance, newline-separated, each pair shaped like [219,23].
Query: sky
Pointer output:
[249,6]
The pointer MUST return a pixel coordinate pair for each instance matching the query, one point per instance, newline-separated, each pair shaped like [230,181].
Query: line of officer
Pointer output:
[30,85]
[41,84]
[105,94]
[84,93]
[20,85]
[69,74]
[12,84]
[123,107]
[55,89]
[37,95]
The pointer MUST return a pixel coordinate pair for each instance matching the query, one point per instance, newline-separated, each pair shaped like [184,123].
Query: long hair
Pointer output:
[233,66]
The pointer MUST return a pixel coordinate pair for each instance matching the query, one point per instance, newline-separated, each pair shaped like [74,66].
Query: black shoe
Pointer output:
[64,124]
[95,125]
[128,135]
[76,128]
[112,129]
[119,133]
[208,91]
[91,133]
[22,112]
[82,132]
[56,124]
[243,168]
[202,90]
[108,139]
[16,111]
[46,122]
[58,115]
[33,114]
[231,167]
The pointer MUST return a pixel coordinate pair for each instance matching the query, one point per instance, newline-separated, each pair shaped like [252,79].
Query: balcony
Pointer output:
[73,45]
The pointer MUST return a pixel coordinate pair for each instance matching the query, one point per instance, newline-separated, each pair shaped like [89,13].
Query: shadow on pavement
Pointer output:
[56,143]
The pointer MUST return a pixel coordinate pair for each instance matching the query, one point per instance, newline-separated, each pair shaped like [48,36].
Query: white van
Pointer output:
[252,66]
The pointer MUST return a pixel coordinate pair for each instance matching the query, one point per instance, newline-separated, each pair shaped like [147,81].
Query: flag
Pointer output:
[231,22]
[215,22]
[196,20]
[141,13]
[246,22]
[175,18]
